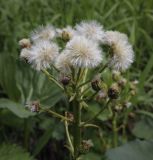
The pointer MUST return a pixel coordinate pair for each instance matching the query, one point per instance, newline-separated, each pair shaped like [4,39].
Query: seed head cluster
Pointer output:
[81,48]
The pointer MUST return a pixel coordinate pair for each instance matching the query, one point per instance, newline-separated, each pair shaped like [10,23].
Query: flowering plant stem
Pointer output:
[52,79]
[76,128]
[54,114]
[115,136]
[71,148]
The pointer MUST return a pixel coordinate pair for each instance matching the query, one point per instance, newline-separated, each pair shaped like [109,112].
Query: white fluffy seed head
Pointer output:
[43,54]
[123,54]
[43,33]
[114,36]
[25,53]
[62,63]
[83,52]
[92,30]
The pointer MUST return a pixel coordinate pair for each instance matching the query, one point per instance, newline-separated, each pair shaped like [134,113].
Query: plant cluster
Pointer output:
[77,60]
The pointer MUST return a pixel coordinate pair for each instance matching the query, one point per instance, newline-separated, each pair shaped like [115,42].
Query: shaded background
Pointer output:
[41,135]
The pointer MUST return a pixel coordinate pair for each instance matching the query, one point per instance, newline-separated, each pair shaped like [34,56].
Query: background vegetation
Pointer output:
[24,134]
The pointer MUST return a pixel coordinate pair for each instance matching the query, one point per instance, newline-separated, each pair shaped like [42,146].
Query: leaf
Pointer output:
[13,152]
[144,128]
[95,108]
[90,156]
[55,130]
[7,76]
[145,73]
[43,141]
[16,108]
[15,123]
[135,150]
[34,85]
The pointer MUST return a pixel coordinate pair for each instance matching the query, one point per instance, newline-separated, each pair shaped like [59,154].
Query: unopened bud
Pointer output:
[133,85]
[116,75]
[66,36]
[113,91]
[135,82]
[122,82]
[95,85]
[25,43]
[132,115]
[33,106]
[65,80]
[118,107]
[70,116]
[102,94]
[86,145]
[127,104]
[133,92]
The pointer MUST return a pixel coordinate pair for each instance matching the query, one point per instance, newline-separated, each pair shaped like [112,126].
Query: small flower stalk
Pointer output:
[81,70]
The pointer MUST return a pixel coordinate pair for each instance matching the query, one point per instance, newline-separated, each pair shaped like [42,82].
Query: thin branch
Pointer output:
[52,79]
[55,114]
[71,148]
[96,115]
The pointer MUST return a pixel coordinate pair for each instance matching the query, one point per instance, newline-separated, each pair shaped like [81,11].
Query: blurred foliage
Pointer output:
[14,152]
[44,137]
[133,150]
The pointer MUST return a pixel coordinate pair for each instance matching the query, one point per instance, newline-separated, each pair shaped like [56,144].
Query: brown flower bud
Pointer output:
[113,91]
[34,106]
[70,116]
[25,43]
[122,82]
[66,35]
[132,115]
[95,85]
[65,80]
[86,145]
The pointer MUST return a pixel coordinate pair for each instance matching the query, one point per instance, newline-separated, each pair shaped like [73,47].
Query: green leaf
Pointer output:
[146,73]
[15,123]
[7,76]
[144,128]
[16,108]
[95,108]
[43,140]
[54,130]
[13,152]
[135,150]
[91,156]
[35,85]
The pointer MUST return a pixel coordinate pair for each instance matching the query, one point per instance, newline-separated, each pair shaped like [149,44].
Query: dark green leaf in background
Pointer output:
[16,108]
[136,150]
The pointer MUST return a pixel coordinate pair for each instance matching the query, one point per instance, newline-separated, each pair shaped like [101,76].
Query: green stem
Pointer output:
[55,68]
[55,114]
[84,83]
[76,128]
[115,136]
[69,139]
[51,78]
[103,68]
[89,80]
